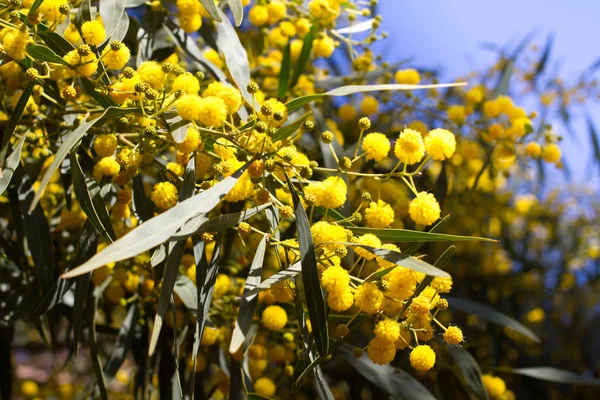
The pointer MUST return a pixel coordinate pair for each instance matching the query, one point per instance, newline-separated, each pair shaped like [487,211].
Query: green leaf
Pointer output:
[489,314]
[159,229]
[403,260]
[88,243]
[506,75]
[141,204]
[594,138]
[237,9]
[69,141]
[286,131]
[43,53]
[307,44]
[248,302]
[321,386]
[406,235]
[351,89]
[468,371]
[395,382]
[12,163]
[551,374]
[114,19]
[186,290]
[87,192]
[93,342]
[174,255]
[212,9]
[280,276]
[236,58]
[284,73]
[56,42]
[36,4]
[177,126]
[37,232]
[15,116]
[315,304]
[119,351]
[416,246]
[90,89]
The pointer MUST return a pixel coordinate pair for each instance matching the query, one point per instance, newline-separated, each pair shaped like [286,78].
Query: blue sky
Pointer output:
[448,34]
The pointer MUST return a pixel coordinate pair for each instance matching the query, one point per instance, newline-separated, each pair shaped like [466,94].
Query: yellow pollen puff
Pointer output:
[340,301]
[230,95]
[551,153]
[440,144]
[367,239]
[424,209]
[381,351]
[376,145]
[335,279]
[152,73]
[187,83]
[325,232]
[274,318]
[533,149]
[116,59]
[457,114]
[15,44]
[276,10]
[188,107]
[379,214]
[388,329]
[209,336]
[422,358]
[191,142]
[86,65]
[93,32]
[369,105]
[105,145]
[164,195]
[190,22]
[409,147]
[368,298]
[107,166]
[408,76]
[265,387]
[258,15]
[494,386]
[330,193]
[347,112]
[324,46]
[453,335]
[277,107]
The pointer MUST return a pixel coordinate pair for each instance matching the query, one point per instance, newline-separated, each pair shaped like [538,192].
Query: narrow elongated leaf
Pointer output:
[281,276]
[112,12]
[176,250]
[43,53]
[235,54]
[68,143]
[321,385]
[351,89]
[56,42]
[104,100]
[307,44]
[489,314]
[159,229]
[397,383]
[502,88]
[141,204]
[88,194]
[118,353]
[88,243]
[201,264]
[185,289]
[551,374]
[594,138]
[12,162]
[15,116]
[212,9]
[357,28]
[248,302]
[201,224]
[403,260]
[284,73]
[406,235]
[237,9]
[177,126]
[37,232]
[34,7]
[93,343]
[437,227]
[286,131]
[469,372]
[315,304]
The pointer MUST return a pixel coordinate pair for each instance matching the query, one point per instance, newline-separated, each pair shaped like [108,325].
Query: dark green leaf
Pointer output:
[93,343]
[468,371]
[36,4]
[248,302]
[118,353]
[594,138]
[43,53]
[489,314]
[87,192]
[551,374]
[286,131]
[56,42]
[104,100]
[37,232]
[406,235]
[15,116]
[416,246]
[393,381]
[284,73]
[315,304]
[12,162]
[141,204]
[280,276]
[307,44]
